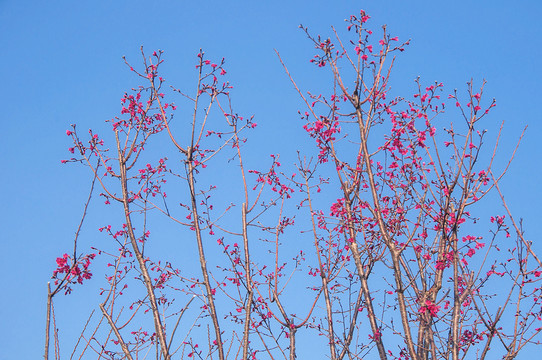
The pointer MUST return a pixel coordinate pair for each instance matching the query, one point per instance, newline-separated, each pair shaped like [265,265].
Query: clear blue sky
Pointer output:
[61,63]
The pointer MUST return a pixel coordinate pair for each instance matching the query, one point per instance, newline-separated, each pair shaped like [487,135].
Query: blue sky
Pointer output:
[62,63]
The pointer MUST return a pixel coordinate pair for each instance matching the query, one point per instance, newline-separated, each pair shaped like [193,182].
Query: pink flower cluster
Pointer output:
[74,272]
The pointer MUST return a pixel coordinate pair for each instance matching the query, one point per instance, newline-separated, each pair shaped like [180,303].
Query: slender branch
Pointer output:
[117,333]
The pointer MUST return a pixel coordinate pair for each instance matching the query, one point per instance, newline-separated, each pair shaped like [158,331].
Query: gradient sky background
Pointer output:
[61,63]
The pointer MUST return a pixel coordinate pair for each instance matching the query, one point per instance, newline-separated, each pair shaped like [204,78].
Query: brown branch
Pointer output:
[117,333]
